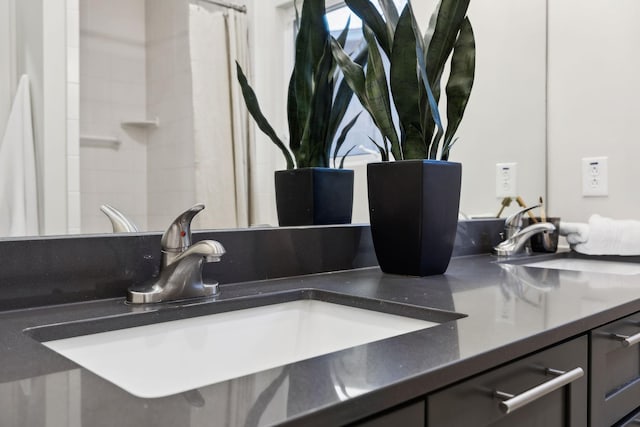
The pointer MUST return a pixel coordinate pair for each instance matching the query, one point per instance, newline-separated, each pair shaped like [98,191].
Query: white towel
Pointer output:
[604,236]
[18,197]
[575,232]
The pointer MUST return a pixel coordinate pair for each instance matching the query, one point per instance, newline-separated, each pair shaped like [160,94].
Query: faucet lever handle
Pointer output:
[513,223]
[177,238]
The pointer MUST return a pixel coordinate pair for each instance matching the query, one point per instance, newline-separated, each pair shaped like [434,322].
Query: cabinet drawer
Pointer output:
[408,416]
[615,370]
[474,402]
[632,420]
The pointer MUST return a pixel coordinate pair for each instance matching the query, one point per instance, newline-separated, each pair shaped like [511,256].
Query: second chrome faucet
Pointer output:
[516,237]
[181,265]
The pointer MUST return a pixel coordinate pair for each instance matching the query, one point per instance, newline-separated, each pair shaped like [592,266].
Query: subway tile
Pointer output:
[73,173]
[73,28]
[73,137]
[73,101]
[73,65]
[73,213]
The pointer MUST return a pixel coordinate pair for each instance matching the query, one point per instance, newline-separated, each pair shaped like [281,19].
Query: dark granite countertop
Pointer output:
[510,311]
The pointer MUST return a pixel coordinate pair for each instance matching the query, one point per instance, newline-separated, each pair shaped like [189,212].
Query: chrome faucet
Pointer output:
[513,223]
[181,265]
[119,222]
[516,237]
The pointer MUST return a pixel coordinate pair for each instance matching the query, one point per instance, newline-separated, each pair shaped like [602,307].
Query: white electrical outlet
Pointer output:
[595,177]
[506,174]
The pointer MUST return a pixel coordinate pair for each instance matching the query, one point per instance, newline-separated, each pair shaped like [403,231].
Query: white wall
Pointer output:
[7,64]
[73,116]
[594,89]
[113,89]
[506,116]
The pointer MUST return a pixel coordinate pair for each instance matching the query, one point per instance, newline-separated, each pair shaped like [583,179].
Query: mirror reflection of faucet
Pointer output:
[180,275]
[119,222]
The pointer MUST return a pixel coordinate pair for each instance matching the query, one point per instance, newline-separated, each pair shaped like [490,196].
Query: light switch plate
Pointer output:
[506,180]
[595,177]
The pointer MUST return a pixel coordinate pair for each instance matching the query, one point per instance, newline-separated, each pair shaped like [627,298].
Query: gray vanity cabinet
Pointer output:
[615,371]
[407,416]
[631,420]
[473,402]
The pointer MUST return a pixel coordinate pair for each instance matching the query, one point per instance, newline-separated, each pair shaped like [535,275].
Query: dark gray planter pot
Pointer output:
[413,209]
[314,196]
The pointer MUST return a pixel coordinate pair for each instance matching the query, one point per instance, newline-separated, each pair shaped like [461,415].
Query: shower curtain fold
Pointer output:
[222,135]
[18,196]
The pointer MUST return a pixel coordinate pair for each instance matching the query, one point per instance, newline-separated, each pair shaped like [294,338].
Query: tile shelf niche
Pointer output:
[145,123]
[99,141]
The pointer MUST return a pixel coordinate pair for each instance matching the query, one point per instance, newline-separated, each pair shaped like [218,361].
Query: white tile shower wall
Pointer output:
[170,153]
[113,89]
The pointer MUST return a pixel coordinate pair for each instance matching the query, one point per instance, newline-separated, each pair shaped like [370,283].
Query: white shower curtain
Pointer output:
[18,197]
[222,136]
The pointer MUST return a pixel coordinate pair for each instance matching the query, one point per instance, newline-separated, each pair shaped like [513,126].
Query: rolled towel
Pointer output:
[606,236]
[575,232]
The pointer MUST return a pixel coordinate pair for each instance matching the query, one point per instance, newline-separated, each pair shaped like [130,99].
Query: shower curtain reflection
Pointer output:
[161,83]
[222,135]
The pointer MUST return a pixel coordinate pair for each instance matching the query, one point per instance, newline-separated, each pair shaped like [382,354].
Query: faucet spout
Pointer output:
[515,243]
[210,250]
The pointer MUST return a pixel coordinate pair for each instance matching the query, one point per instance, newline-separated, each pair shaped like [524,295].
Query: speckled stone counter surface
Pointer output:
[510,311]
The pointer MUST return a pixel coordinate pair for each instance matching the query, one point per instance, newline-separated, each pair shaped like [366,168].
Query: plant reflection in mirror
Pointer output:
[317,98]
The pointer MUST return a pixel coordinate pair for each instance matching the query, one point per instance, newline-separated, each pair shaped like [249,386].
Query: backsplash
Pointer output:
[66,269]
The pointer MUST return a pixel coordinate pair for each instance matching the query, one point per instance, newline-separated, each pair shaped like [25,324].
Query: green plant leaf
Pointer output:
[345,156]
[441,36]
[313,147]
[343,99]
[343,136]
[460,82]
[432,102]
[353,73]
[342,37]
[372,18]
[390,13]
[435,143]
[253,106]
[384,153]
[310,42]
[295,128]
[377,92]
[405,87]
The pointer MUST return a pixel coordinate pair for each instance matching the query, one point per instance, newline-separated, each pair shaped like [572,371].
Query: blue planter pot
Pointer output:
[413,209]
[314,196]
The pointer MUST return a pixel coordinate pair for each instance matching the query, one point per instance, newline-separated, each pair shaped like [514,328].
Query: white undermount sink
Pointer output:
[588,265]
[167,358]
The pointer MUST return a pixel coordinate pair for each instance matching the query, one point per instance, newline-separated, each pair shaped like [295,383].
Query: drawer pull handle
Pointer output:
[513,402]
[628,341]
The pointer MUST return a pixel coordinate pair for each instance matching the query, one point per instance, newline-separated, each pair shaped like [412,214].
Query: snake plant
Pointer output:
[417,63]
[316,103]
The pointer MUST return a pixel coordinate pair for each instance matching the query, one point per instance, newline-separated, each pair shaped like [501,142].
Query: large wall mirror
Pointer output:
[135,105]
